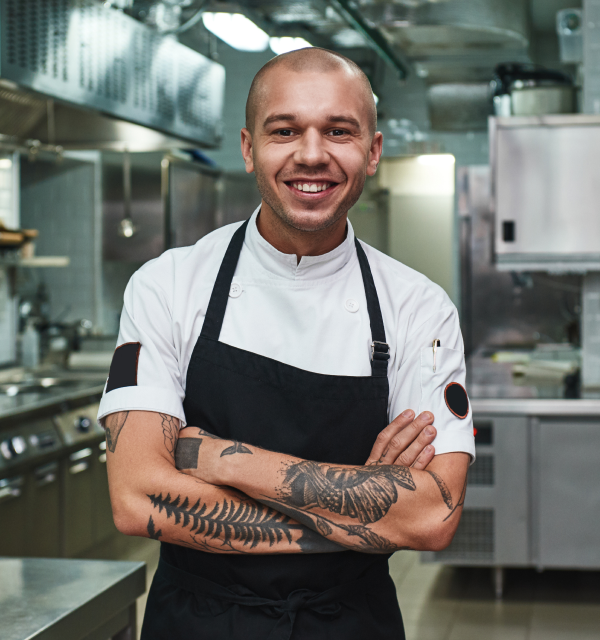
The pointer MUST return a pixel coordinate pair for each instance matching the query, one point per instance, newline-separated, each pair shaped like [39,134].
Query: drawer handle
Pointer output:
[6,493]
[10,488]
[79,467]
[42,481]
[81,454]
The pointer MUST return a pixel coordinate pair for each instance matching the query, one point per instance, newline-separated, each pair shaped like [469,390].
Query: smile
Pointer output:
[311,186]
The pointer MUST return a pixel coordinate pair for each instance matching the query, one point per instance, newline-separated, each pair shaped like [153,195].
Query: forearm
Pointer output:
[374,509]
[181,510]
[152,498]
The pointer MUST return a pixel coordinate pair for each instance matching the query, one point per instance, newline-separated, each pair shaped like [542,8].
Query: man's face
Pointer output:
[311,148]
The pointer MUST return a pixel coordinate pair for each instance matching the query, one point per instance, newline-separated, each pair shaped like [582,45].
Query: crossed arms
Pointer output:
[191,488]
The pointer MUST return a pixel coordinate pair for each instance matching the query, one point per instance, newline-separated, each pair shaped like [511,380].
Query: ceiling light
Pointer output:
[287,44]
[236,30]
[5,163]
[436,159]
[376,98]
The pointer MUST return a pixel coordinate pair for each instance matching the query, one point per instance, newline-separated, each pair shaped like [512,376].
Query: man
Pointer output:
[284,344]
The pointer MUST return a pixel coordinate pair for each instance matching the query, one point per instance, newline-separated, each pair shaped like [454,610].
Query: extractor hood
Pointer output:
[78,73]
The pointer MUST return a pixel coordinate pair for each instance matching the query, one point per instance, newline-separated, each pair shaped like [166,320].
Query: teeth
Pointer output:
[311,188]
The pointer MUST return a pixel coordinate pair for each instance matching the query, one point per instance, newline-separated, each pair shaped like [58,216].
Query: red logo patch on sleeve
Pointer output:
[457,400]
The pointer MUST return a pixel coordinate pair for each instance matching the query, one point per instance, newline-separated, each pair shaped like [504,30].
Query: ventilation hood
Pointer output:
[80,74]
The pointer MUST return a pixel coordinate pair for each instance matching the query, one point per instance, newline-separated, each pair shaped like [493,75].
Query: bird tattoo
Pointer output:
[363,493]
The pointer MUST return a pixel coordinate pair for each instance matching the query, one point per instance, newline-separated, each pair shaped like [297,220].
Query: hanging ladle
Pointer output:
[126,227]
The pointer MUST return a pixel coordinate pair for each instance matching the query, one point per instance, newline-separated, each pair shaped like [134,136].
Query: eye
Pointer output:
[286,133]
[337,132]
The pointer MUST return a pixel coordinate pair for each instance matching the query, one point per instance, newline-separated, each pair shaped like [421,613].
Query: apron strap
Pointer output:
[380,350]
[215,312]
[213,322]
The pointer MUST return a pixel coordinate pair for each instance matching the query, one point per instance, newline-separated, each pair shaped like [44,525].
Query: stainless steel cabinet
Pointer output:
[43,511]
[494,527]
[567,490]
[13,516]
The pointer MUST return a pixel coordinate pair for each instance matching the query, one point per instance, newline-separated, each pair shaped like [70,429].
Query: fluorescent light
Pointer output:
[286,44]
[436,159]
[236,30]
[5,163]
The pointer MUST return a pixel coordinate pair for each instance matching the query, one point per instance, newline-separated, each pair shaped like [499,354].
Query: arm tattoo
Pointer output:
[365,493]
[170,427]
[460,502]
[446,495]
[113,425]
[152,533]
[361,538]
[236,447]
[186,453]
[227,521]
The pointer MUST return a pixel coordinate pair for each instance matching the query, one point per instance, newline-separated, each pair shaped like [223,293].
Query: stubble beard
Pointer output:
[288,216]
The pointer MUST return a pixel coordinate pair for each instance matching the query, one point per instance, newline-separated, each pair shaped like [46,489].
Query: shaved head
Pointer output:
[313,60]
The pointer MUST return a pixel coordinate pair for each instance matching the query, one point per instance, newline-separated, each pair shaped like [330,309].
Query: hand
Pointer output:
[405,441]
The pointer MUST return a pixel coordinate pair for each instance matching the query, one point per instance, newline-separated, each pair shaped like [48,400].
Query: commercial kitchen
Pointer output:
[120,139]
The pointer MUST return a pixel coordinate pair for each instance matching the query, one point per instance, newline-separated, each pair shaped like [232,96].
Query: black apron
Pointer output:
[243,396]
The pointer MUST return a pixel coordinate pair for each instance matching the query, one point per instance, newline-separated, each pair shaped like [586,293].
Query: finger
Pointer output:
[410,441]
[424,458]
[409,456]
[383,438]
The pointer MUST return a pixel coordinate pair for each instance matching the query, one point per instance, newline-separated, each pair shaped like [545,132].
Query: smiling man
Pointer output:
[247,405]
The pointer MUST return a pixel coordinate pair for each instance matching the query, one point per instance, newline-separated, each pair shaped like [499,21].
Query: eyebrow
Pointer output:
[278,117]
[290,117]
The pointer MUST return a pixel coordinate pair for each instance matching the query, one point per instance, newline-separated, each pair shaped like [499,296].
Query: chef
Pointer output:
[247,405]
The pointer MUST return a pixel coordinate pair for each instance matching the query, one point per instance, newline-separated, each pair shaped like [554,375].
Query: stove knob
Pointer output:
[12,447]
[7,449]
[83,424]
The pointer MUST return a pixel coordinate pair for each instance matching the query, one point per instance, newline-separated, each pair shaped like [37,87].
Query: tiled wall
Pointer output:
[60,202]
[9,216]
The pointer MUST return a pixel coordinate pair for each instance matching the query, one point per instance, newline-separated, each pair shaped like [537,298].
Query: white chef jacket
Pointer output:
[311,315]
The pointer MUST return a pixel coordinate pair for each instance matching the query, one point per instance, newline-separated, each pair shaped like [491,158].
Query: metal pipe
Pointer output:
[373,36]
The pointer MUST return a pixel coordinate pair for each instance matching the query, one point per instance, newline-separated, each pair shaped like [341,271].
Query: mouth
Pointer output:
[311,188]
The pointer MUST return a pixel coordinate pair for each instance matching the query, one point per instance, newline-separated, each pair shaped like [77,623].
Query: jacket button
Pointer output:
[351,305]
[235,291]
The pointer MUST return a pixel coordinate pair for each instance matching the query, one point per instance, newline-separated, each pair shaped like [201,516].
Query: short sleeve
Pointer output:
[423,384]
[145,372]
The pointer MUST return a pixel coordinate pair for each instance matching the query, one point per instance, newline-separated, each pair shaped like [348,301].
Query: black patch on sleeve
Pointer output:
[124,366]
[457,400]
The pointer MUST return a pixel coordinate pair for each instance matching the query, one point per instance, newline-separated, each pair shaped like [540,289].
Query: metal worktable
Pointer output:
[56,599]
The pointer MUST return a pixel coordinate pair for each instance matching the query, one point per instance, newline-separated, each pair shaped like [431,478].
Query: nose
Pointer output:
[311,149]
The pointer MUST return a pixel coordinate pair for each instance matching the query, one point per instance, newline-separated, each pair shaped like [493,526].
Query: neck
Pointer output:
[289,240]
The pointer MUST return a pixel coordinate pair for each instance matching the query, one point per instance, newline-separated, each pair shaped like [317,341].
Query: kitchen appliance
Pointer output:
[29,489]
[53,483]
[88,54]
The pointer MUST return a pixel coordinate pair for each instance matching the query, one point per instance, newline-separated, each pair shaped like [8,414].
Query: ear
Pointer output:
[247,150]
[375,153]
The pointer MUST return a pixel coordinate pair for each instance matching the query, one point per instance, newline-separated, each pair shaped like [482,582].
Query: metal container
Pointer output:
[534,100]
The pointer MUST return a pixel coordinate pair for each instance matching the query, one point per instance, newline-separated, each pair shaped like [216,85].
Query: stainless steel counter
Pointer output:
[31,401]
[50,599]
[535,407]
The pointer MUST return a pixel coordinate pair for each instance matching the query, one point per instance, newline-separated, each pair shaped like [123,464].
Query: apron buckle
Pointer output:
[380,350]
